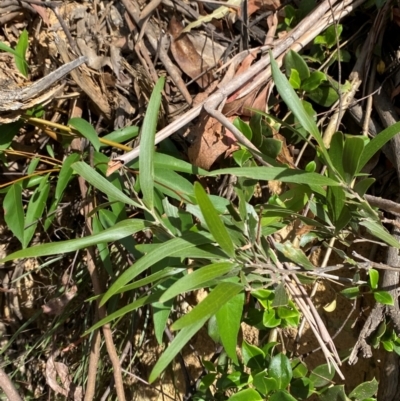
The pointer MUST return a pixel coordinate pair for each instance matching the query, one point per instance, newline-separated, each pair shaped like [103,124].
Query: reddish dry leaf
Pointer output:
[210,142]
[42,12]
[255,5]
[186,56]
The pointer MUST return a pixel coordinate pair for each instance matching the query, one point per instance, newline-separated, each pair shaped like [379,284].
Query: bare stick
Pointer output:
[8,387]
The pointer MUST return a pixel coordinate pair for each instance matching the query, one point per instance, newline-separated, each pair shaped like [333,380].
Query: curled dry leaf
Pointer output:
[185,54]
[59,379]
[210,142]
[57,305]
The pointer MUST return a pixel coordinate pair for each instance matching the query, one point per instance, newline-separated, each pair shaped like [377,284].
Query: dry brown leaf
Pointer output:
[285,155]
[185,54]
[57,372]
[210,142]
[255,99]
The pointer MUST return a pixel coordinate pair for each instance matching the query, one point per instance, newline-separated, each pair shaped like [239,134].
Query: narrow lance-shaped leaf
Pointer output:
[146,158]
[21,48]
[229,317]
[214,222]
[14,212]
[102,184]
[177,344]
[120,230]
[36,206]
[377,143]
[221,294]
[86,130]
[173,247]
[197,278]
[278,173]
[291,99]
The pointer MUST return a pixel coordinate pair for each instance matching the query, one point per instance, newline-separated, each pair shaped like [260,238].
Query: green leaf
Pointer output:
[270,320]
[256,125]
[363,185]
[295,255]
[281,395]
[293,61]
[146,158]
[120,230]
[102,184]
[377,143]
[14,211]
[229,318]
[122,135]
[383,297]
[21,48]
[322,375]
[324,95]
[174,185]
[8,132]
[243,128]
[280,370]
[291,99]
[241,156]
[279,174]
[302,388]
[351,293]
[86,130]
[246,395]
[197,278]
[271,147]
[335,393]
[161,313]
[294,79]
[314,81]
[373,278]
[173,247]
[353,148]
[213,221]
[177,344]
[281,297]
[253,357]
[36,206]
[221,294]
[65,174]
[365,390]
[8,49]
[379,232]
[145,300]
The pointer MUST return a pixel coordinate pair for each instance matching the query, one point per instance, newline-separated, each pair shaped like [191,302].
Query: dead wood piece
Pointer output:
[85,82]
[8,387]
[14,102]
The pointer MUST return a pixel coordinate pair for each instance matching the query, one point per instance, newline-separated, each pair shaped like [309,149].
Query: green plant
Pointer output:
[19,52]
[230,245]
